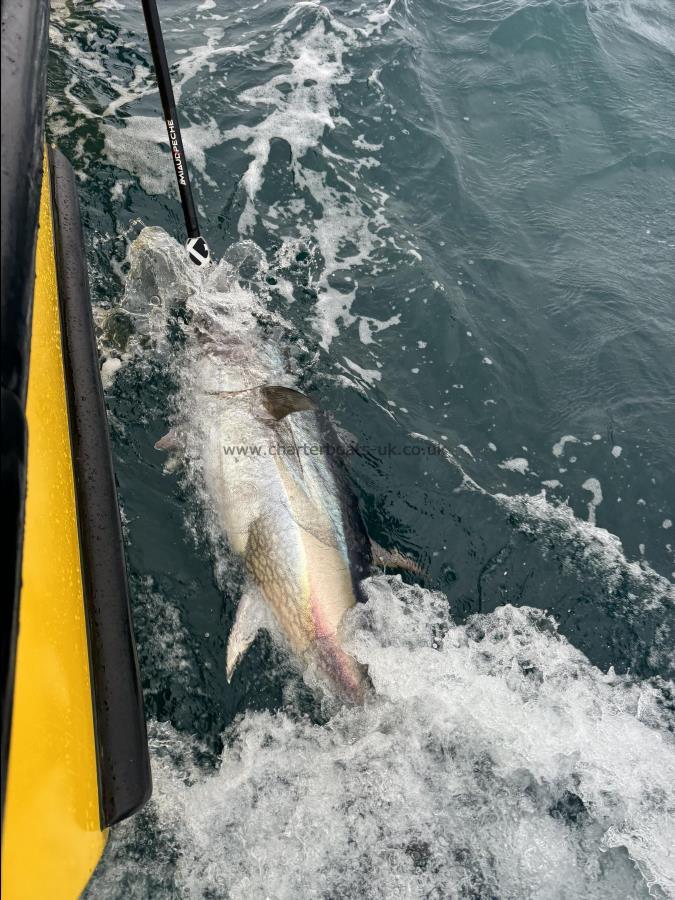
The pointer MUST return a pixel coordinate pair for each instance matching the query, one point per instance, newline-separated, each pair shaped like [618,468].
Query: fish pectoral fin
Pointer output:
[173,444]
[250,619]
[394,559]
[282,401]
[170,441]
[346,439]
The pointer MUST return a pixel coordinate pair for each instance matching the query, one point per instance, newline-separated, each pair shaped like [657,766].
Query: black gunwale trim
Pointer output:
[119,722]
[24,84]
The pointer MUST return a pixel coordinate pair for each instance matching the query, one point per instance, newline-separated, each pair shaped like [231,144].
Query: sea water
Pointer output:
[464,216]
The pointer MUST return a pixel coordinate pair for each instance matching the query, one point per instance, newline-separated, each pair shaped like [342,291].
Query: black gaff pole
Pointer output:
[197,247]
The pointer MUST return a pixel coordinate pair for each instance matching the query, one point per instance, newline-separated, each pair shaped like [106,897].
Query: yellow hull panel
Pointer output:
[52,839]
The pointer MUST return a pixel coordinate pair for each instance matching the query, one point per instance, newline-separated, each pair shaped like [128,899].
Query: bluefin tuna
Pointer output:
[298,529]
[266,458]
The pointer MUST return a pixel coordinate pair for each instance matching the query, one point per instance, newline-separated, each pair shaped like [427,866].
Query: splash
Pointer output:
[590,547]
[494,761]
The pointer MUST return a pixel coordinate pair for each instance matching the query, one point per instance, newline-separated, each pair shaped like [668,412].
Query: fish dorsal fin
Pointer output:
[282,401]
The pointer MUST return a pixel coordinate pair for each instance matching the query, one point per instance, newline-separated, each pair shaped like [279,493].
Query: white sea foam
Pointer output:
[299,106]
[379,17]
[141,84]
[593,486]
[301,116]
[205,56]
[370,376]
[559,447]
[494,760]
[109,369]
[135,147]
[518,464]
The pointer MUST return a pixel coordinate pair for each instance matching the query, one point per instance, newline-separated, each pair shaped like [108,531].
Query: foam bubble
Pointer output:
[517,464]
[135,147]
[342,218]
[559,447]
[370,376]
[593,486]
[301,116]
[109,369]
[494,760]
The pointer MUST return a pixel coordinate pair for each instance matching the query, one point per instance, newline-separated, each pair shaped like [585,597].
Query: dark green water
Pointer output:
[467,214]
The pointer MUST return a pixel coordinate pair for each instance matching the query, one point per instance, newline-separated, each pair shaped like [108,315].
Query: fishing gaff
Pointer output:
[196,245]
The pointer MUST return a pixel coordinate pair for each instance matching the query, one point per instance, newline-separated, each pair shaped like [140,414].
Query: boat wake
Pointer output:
[494,760]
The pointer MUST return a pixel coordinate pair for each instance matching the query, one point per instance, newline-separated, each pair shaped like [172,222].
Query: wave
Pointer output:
[495,760]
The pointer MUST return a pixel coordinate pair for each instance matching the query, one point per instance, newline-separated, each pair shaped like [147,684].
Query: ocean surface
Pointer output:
[465,215]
